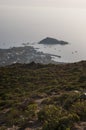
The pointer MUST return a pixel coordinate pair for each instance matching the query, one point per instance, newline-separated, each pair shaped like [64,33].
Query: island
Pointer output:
[26,55]
[49,40]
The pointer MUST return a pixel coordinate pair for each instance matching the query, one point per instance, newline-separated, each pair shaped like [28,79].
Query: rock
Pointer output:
[79,126]
[49,40]
[26,54]
[27,129]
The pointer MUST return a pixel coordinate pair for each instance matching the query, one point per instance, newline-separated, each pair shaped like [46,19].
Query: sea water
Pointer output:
[31,24]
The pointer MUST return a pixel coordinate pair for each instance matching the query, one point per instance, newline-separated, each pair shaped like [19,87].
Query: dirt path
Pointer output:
[80,126]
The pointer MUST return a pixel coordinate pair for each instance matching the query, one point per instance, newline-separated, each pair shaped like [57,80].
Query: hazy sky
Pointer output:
[32,20]
[36,15]
[53,3]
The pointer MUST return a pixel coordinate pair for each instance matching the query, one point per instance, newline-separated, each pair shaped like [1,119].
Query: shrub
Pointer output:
[31,111]
[80,109]
[55,118]
[48,113]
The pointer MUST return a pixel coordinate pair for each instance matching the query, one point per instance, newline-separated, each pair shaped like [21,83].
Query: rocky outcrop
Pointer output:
[24,54]
[79,126]
[49,40]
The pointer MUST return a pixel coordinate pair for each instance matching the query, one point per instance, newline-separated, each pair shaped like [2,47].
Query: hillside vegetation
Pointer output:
[42,97]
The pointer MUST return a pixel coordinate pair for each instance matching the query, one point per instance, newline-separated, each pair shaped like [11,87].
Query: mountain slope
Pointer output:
[32,95]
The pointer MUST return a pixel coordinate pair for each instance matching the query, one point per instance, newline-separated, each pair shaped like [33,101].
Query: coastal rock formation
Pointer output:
[24,54]
[49,40]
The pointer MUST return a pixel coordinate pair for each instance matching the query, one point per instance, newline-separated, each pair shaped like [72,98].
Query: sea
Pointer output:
[21,26]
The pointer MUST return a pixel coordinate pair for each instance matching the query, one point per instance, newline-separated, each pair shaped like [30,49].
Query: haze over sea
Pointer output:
[22,24]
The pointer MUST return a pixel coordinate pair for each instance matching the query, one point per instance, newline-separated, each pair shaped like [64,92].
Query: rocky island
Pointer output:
[49,40]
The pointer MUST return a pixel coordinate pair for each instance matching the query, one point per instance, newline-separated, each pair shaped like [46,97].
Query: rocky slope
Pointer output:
[24,54]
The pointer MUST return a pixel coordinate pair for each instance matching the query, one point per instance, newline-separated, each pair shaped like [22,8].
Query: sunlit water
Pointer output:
[31,24]
[68,53]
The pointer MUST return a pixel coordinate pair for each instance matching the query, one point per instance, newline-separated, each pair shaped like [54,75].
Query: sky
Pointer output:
[48,3]
[37,15]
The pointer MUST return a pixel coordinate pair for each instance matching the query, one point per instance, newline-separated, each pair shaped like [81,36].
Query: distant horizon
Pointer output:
[31,20]
[23,21]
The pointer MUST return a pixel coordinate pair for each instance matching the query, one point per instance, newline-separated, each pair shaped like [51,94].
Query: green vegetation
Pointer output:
[45,97]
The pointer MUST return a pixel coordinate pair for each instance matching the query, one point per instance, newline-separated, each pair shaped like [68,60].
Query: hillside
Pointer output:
[43,97]
[52,41]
